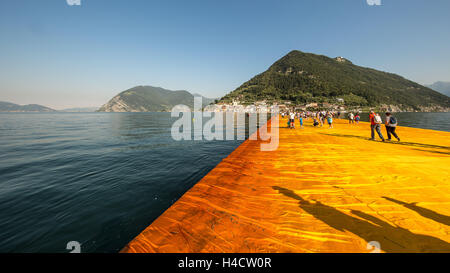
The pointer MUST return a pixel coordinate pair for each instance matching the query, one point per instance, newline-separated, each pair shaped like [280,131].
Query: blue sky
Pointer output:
[68,56]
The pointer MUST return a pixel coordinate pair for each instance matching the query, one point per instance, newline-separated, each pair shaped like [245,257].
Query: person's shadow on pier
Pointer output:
[391,238]
[427,213]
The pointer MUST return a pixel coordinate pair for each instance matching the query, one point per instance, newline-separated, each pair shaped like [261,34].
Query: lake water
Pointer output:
[101,178]
[433,121]
[98,178]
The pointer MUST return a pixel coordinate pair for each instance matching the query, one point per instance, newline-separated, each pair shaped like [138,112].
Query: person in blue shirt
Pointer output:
[391,125]
[330,120]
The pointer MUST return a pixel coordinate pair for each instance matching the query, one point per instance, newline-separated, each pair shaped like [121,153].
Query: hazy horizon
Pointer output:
[63,56]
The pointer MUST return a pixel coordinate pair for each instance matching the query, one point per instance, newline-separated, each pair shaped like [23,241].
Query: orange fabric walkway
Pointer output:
[322,190]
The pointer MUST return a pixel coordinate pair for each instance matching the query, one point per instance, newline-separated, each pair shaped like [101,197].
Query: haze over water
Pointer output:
[101,178]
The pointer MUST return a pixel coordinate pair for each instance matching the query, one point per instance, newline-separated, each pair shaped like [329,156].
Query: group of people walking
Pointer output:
[375,125]
[319,119]
[353,118]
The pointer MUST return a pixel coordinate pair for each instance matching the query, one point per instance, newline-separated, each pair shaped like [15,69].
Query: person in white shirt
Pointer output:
[292,120]
[351,118]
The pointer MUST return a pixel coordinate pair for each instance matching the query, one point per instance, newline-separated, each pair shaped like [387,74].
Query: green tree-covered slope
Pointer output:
[304,77]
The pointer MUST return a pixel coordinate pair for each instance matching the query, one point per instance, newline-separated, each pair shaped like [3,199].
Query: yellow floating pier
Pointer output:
[322,190]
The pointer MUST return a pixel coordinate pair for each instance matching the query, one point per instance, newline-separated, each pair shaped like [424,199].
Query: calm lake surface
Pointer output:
[434,121]
[101,178]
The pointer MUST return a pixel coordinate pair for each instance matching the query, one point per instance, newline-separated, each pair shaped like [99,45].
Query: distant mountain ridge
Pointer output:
[80,110]
[12,107]
[149,99]
[441,87]
[303,78]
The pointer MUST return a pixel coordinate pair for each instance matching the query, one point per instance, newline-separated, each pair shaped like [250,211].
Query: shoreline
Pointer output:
[60,111]
[144,113]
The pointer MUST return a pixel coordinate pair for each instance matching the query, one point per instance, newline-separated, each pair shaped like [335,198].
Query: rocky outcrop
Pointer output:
[150,99]
[117,104]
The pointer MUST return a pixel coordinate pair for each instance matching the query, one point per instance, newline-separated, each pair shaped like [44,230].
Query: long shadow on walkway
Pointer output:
[391,238]
[427,213]
[411,144]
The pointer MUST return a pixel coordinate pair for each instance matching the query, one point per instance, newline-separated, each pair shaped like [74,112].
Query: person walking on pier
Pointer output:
[330,120]
[351,118]
[292,120]
[391,125]
[357,118]
[375,125]
[322,119]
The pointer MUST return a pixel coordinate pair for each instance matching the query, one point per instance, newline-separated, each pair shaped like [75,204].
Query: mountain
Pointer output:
[441,87]
[205,100]
[80,110]
[304,77]
[149,99]
[12,107]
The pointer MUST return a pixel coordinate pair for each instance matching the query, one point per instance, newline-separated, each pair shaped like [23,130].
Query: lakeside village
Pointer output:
[283,107]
